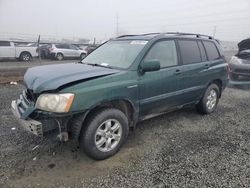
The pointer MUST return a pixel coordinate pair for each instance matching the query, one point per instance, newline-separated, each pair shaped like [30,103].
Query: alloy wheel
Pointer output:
[211,99]
[108,135]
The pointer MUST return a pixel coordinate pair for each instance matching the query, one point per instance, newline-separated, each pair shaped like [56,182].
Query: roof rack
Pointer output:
[166,33]
[192,34]
[145,34]
[126,36]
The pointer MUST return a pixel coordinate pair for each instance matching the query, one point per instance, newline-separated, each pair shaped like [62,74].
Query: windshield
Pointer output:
[119,54]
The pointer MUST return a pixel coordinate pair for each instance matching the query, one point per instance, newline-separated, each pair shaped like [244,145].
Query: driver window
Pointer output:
[165,52]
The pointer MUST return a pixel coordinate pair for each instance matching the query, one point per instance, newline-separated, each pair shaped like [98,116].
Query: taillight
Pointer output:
[228,70]
[51,49]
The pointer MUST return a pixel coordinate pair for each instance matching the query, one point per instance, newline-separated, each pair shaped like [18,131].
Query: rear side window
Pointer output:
[212,52]
[190,52]
[62,46]
[165,52]
[59,45]
[4,43]
[202,51]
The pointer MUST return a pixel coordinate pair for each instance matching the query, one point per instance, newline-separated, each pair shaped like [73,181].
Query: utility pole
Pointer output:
[117,25]
[39,49]
[214,32]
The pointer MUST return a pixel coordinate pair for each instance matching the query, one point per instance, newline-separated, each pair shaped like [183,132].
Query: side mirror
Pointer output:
[150,65]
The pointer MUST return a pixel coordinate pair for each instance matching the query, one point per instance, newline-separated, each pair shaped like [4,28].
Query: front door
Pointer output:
[6,50]
[157,90]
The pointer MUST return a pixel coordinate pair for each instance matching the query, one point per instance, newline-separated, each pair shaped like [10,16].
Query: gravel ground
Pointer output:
[180,149]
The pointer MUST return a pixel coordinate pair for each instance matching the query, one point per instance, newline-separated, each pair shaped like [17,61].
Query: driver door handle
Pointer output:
[177,71]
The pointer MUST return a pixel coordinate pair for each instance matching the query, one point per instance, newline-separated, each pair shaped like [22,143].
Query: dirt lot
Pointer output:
[180,149]
[13,70]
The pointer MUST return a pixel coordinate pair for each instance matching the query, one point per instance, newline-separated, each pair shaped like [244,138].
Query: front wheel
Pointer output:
[104,134]
[209,100]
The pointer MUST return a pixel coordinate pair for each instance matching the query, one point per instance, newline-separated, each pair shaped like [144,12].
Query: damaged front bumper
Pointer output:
[241,69]
[43,123]
[31,125]
[26,114]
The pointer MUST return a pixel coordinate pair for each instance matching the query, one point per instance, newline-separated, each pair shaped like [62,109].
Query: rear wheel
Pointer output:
[59,56]
[210,99]
[104,134]
[25,56]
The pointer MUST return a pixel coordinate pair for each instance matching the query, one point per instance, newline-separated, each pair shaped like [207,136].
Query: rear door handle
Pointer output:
[207,66]
[178,71]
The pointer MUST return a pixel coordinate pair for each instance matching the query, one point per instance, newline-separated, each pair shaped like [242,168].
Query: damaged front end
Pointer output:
[36,121]
[44,108]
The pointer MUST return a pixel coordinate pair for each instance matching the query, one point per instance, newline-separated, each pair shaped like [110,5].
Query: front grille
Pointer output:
[30,95]
[24,102]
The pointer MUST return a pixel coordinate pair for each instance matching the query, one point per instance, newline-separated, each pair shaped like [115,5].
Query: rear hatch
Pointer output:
[244,45]
[244,49]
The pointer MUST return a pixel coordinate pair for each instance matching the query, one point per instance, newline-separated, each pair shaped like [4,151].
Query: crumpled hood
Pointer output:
[244,44]
[51,77]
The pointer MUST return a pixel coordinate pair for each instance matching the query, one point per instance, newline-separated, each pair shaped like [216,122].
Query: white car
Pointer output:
[8,49]
[61,51]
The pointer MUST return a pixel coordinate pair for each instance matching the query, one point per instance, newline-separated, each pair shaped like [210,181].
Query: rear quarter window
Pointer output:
[190,51]
[202,51]
[212,51]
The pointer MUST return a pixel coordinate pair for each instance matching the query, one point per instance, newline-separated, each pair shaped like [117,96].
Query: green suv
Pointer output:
[125,80]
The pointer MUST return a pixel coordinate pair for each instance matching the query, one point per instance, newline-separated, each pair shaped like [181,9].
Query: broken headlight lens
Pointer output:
[55,102]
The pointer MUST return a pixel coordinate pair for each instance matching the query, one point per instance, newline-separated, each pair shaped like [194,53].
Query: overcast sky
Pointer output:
[228,19]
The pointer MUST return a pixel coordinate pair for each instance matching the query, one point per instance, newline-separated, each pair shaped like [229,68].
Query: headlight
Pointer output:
[55,102]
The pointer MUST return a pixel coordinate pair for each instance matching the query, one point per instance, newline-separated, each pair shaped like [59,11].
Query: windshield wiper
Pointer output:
[81,62]
[97,65]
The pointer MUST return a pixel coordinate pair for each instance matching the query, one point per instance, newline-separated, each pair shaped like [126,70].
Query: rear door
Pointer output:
[74,51]
[6,50]
[67,50]
[158,89]
[64,49]
[194,68]
[217,64]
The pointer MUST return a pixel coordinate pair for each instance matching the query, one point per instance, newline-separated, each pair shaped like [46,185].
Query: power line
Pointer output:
[214,31]
[190,23]
[191,16]
[185,7]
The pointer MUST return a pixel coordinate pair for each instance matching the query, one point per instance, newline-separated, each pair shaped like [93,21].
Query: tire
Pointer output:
[211,94]
[96,139]
[25,56]
[59,56]
[82,56]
